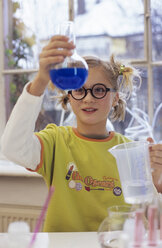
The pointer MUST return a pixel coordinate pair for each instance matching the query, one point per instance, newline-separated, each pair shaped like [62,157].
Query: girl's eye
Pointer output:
[99,90]
[79,91]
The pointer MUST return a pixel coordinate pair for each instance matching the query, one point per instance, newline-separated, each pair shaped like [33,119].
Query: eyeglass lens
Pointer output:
[97,91]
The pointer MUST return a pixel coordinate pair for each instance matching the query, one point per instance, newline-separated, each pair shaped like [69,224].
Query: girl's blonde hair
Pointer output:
[122,77]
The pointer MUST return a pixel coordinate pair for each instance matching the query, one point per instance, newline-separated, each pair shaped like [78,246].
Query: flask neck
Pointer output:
[73,39]
[67,29]
[70,33]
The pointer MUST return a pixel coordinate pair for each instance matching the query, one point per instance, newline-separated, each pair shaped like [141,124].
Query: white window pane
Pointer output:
[157,120]
[110,27]
[156,20]
[28,26]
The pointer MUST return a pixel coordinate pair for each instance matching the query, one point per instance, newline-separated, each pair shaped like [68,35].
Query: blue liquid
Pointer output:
[68,78]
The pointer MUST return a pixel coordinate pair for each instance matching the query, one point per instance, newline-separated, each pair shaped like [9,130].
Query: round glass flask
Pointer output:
[73,71]
[120,221]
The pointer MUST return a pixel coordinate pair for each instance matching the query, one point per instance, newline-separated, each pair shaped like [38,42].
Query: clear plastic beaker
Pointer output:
[120,220]
[73,72]
[133,164]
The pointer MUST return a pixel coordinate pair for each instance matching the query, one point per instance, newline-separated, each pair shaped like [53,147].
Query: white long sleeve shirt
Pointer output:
[19,143]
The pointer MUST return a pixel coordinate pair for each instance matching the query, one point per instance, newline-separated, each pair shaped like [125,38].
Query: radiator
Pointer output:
[12,213]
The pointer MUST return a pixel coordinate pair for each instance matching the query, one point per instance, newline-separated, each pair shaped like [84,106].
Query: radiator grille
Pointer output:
[12,213]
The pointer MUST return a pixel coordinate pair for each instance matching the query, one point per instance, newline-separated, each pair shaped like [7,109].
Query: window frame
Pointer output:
[146,62]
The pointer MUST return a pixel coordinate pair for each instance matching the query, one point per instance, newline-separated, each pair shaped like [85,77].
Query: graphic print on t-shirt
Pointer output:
[77,182]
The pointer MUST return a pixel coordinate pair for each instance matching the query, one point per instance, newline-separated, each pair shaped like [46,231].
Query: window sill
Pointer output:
[7,168]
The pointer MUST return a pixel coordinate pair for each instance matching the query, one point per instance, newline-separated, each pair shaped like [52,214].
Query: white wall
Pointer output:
[2,91]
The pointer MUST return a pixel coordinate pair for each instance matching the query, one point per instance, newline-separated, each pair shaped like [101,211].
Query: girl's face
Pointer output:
[91,112]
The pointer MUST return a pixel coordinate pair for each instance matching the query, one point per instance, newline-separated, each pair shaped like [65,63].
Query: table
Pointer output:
[73,240]
[62,240]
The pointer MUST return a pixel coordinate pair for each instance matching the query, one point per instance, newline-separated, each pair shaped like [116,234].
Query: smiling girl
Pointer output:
[73,159]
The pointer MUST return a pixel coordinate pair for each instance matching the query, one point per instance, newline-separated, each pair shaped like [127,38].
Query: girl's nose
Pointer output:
[88,97]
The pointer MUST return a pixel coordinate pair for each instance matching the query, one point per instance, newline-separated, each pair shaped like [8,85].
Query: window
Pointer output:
[130,29]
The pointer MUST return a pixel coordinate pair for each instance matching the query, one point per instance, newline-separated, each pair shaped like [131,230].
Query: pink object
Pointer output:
[139,228]
[152,232]
[39,222]
[161,226]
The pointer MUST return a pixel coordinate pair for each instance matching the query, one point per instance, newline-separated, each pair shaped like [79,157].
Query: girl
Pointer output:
[75,160]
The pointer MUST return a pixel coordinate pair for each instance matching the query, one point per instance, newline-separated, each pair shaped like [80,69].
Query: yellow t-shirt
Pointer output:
[85,177]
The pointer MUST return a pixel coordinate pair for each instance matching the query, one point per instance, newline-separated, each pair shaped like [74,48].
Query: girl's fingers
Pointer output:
[59,45]
[157,153]
[156,166]
[157,147]
[45,62]
[156,160]
[59,37]
[156,157]
[149,139]
[55,52]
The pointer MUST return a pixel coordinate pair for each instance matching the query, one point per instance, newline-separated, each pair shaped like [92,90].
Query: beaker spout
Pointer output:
[113,152]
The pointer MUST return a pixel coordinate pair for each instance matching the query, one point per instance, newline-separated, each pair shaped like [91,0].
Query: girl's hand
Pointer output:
[156,164]
[156,156]
[54,53]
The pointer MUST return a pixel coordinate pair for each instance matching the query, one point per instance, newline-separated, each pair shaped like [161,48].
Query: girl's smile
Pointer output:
[89,110]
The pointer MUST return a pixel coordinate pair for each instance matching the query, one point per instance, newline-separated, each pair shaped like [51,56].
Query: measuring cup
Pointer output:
[134,170]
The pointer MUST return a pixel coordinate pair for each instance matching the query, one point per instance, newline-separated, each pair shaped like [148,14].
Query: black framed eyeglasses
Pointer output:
[98,91]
